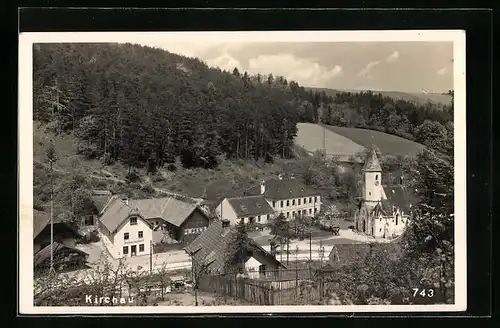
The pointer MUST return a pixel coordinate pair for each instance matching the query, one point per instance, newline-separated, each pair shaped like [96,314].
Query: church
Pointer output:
[384,210]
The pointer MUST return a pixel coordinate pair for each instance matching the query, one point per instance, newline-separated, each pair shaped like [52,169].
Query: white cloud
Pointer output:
[443,70]
[225,61]
[305,71]
[392,57]
[365,71]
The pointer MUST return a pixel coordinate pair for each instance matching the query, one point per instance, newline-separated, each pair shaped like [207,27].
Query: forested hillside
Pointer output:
[143,106]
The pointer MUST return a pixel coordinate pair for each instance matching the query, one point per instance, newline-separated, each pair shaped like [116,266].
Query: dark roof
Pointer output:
[372,163]
[401,197]
[44,253]
[41,219]
[210,247]
[250,205]
[169,209]
[350,253]
[287,188]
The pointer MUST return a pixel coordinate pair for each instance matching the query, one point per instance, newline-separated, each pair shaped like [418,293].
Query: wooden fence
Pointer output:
[289,288]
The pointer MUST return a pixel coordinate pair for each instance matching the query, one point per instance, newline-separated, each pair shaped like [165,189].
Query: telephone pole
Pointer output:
[151,257]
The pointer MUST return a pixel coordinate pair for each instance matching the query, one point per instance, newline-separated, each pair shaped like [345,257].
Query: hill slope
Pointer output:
[387,143]
[417,98]
[344,142]
[310,137]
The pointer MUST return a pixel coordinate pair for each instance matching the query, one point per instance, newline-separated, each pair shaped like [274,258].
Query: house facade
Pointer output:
[246,209]
[290,198]
[131,227]
[124,231]
[274,197]
[381,214]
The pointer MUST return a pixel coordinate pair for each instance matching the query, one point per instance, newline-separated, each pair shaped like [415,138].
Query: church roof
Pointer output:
[372,164]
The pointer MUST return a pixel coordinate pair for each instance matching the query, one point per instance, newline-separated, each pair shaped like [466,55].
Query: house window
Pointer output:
[141,247]
[380,230]
[397,217]
[258,218]
[305,200]
[287,214]
[125,236]
[298,200]
[133,221]
[310,211]
[293,201]
[369,193]
[274,204]
[89,220]
[315,210]
[287,203]
[376,177]
[281,204]
[125,250]
[141,234]
[315,199]
[310,200]
[293,214]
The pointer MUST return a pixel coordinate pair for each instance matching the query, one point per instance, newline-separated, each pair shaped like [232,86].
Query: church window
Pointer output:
[369,193]
[376,177]
[380,219]
[397,217]
[380,230]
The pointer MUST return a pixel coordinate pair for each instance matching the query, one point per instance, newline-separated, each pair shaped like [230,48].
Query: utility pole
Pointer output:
[52,225]
[287,247]
[310,245]
[150,257]
[297,272]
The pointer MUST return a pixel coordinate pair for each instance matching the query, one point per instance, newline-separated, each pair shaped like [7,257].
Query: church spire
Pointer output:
[372,163]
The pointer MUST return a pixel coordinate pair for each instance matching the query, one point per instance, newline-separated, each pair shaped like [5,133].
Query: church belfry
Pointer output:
[372,180]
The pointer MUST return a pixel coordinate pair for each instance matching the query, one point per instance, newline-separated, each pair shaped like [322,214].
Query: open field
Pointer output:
[387,143]
[417,98]
[310,137]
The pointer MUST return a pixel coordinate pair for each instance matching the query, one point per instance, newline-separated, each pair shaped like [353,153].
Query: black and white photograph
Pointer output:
[206,172]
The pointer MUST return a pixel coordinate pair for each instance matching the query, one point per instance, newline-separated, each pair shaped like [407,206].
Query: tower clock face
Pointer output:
[376,183]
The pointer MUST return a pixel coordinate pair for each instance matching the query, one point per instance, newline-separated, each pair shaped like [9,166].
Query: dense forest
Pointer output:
[145,106]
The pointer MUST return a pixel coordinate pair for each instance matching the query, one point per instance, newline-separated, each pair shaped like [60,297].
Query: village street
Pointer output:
[178,260]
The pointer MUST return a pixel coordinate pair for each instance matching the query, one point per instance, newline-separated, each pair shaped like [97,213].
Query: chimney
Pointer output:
[262,187]
[280,177]
[225,226]
[125,199]
[401,180]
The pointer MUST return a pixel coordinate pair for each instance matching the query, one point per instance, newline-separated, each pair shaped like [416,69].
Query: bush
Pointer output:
[148,189]
[91,237]
[172,167]
[133,177]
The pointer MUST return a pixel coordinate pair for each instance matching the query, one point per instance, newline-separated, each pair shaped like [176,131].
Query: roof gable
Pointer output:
[169,209]
[250,206]
[44,253]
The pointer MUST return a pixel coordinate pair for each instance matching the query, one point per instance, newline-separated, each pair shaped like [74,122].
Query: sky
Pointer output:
[377,66]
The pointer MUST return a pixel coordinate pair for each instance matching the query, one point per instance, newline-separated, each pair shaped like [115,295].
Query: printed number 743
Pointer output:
[423,292]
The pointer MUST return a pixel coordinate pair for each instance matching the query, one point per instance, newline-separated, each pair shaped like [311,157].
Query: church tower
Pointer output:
[372,180]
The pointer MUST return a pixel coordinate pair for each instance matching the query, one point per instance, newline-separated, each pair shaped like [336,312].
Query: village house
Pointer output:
[246,209]
[131,227]
[383,211]
[211,249]
[65,256]
[283,196]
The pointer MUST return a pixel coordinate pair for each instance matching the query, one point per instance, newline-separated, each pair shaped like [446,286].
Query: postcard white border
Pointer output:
[25,168]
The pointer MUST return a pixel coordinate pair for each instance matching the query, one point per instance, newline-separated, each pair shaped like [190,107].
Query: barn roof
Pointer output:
[44,253]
